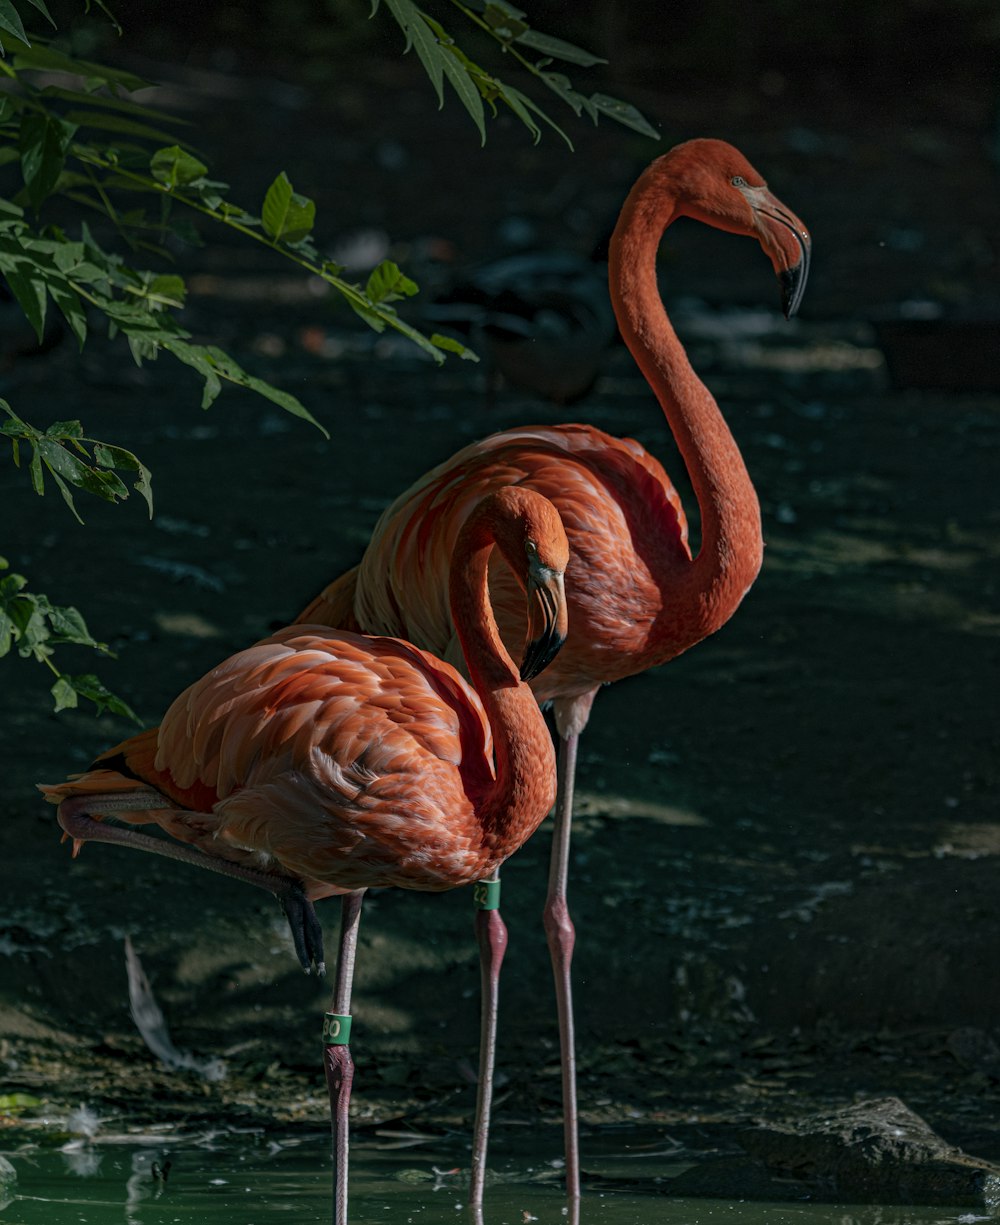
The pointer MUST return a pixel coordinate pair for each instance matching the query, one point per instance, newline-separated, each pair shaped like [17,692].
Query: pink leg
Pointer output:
[491,934]
[73,815]
[561,937]
[337,1059]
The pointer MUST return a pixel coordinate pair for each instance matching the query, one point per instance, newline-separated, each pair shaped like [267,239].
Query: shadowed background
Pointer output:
[786,842]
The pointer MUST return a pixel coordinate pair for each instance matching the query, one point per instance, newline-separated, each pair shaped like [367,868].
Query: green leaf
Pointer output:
[109,456]
[624,113]
[37,477]
[213,364]
[558,49]
[67,496]
[26,286]
[420,38]
[451,345]
[287,216]
[460,71]
[176,168]
[69,626]
[89,687]
[64,695]
[44,141]
[468,93]
[388,284]
[522,106]
[11,22]
[167,290]
[64,429]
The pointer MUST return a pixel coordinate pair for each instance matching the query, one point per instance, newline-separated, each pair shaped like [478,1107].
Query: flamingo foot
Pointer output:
[307,934]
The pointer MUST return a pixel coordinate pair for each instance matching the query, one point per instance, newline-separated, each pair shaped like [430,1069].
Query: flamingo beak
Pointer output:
[786,240]
[547,621]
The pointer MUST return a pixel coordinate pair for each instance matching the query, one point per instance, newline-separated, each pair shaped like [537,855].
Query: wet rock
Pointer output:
[877,1151]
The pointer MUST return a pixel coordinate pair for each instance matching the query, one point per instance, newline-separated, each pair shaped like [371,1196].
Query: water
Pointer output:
[233,1179]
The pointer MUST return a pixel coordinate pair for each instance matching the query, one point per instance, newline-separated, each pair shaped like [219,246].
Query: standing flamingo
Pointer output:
[636,595]
[323,761]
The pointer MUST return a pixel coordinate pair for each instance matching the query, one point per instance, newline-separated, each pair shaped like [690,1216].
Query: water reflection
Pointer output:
[223,1179]
[143,1183]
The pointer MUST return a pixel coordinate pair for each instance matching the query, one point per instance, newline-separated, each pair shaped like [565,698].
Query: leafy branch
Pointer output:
[36,626]
[72,459]
[507,25]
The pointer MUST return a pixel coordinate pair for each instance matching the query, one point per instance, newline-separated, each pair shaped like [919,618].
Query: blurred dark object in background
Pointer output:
[946,354]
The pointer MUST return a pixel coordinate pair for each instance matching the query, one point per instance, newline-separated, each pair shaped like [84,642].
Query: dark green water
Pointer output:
[251,1179]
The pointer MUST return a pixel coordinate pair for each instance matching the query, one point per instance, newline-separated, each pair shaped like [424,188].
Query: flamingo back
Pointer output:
[344,760]
[627,534]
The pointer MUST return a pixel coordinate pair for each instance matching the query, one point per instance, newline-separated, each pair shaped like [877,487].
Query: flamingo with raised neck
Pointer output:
[636,595]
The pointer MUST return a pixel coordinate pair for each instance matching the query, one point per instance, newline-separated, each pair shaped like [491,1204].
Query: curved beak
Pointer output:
[547,620]
[786,240]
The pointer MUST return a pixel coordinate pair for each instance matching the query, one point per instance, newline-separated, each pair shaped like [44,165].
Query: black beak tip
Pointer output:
[539,653]
[793,284]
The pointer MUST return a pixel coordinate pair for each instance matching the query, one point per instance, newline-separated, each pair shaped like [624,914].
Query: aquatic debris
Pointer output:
[152,1026]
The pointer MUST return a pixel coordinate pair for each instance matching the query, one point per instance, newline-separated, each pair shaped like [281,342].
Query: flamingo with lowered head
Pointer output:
[636,595]
[323,761]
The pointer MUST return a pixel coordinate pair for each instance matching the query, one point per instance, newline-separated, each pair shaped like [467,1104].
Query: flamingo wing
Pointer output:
[344,759]
[341,759]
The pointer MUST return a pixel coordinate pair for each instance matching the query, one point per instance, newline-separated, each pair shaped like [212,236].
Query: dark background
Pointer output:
[784,865]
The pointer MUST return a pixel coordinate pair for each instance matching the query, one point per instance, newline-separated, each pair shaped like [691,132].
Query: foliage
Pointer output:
[71,130]
[79,135]
[36,627]
[59,449]
[443,60]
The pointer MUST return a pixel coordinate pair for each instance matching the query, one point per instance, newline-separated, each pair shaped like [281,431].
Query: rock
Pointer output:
[875,1152]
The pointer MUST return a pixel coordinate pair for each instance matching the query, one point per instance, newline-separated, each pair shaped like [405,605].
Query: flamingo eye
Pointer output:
[738,181]
[531,548]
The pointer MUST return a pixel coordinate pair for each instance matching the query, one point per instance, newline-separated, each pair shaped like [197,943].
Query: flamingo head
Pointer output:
[714,183]
[530,535]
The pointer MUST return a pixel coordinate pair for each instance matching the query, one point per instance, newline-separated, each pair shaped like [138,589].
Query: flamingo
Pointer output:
[636,595]
[321,761]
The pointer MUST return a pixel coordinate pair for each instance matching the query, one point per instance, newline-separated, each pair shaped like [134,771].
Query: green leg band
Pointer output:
[336,1029]
[486,894]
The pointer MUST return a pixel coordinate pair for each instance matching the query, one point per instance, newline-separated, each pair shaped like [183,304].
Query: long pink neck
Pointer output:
[731,543]
[513,807]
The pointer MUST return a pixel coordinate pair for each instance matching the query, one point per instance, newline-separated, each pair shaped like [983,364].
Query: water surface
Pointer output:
[253,1179]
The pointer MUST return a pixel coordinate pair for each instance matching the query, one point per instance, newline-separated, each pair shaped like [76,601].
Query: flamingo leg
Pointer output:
[74,816]
[561,938]
[337,1060]
[491,935]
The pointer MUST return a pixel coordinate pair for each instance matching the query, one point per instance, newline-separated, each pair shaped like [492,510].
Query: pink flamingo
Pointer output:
[322,761]
[636,596]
